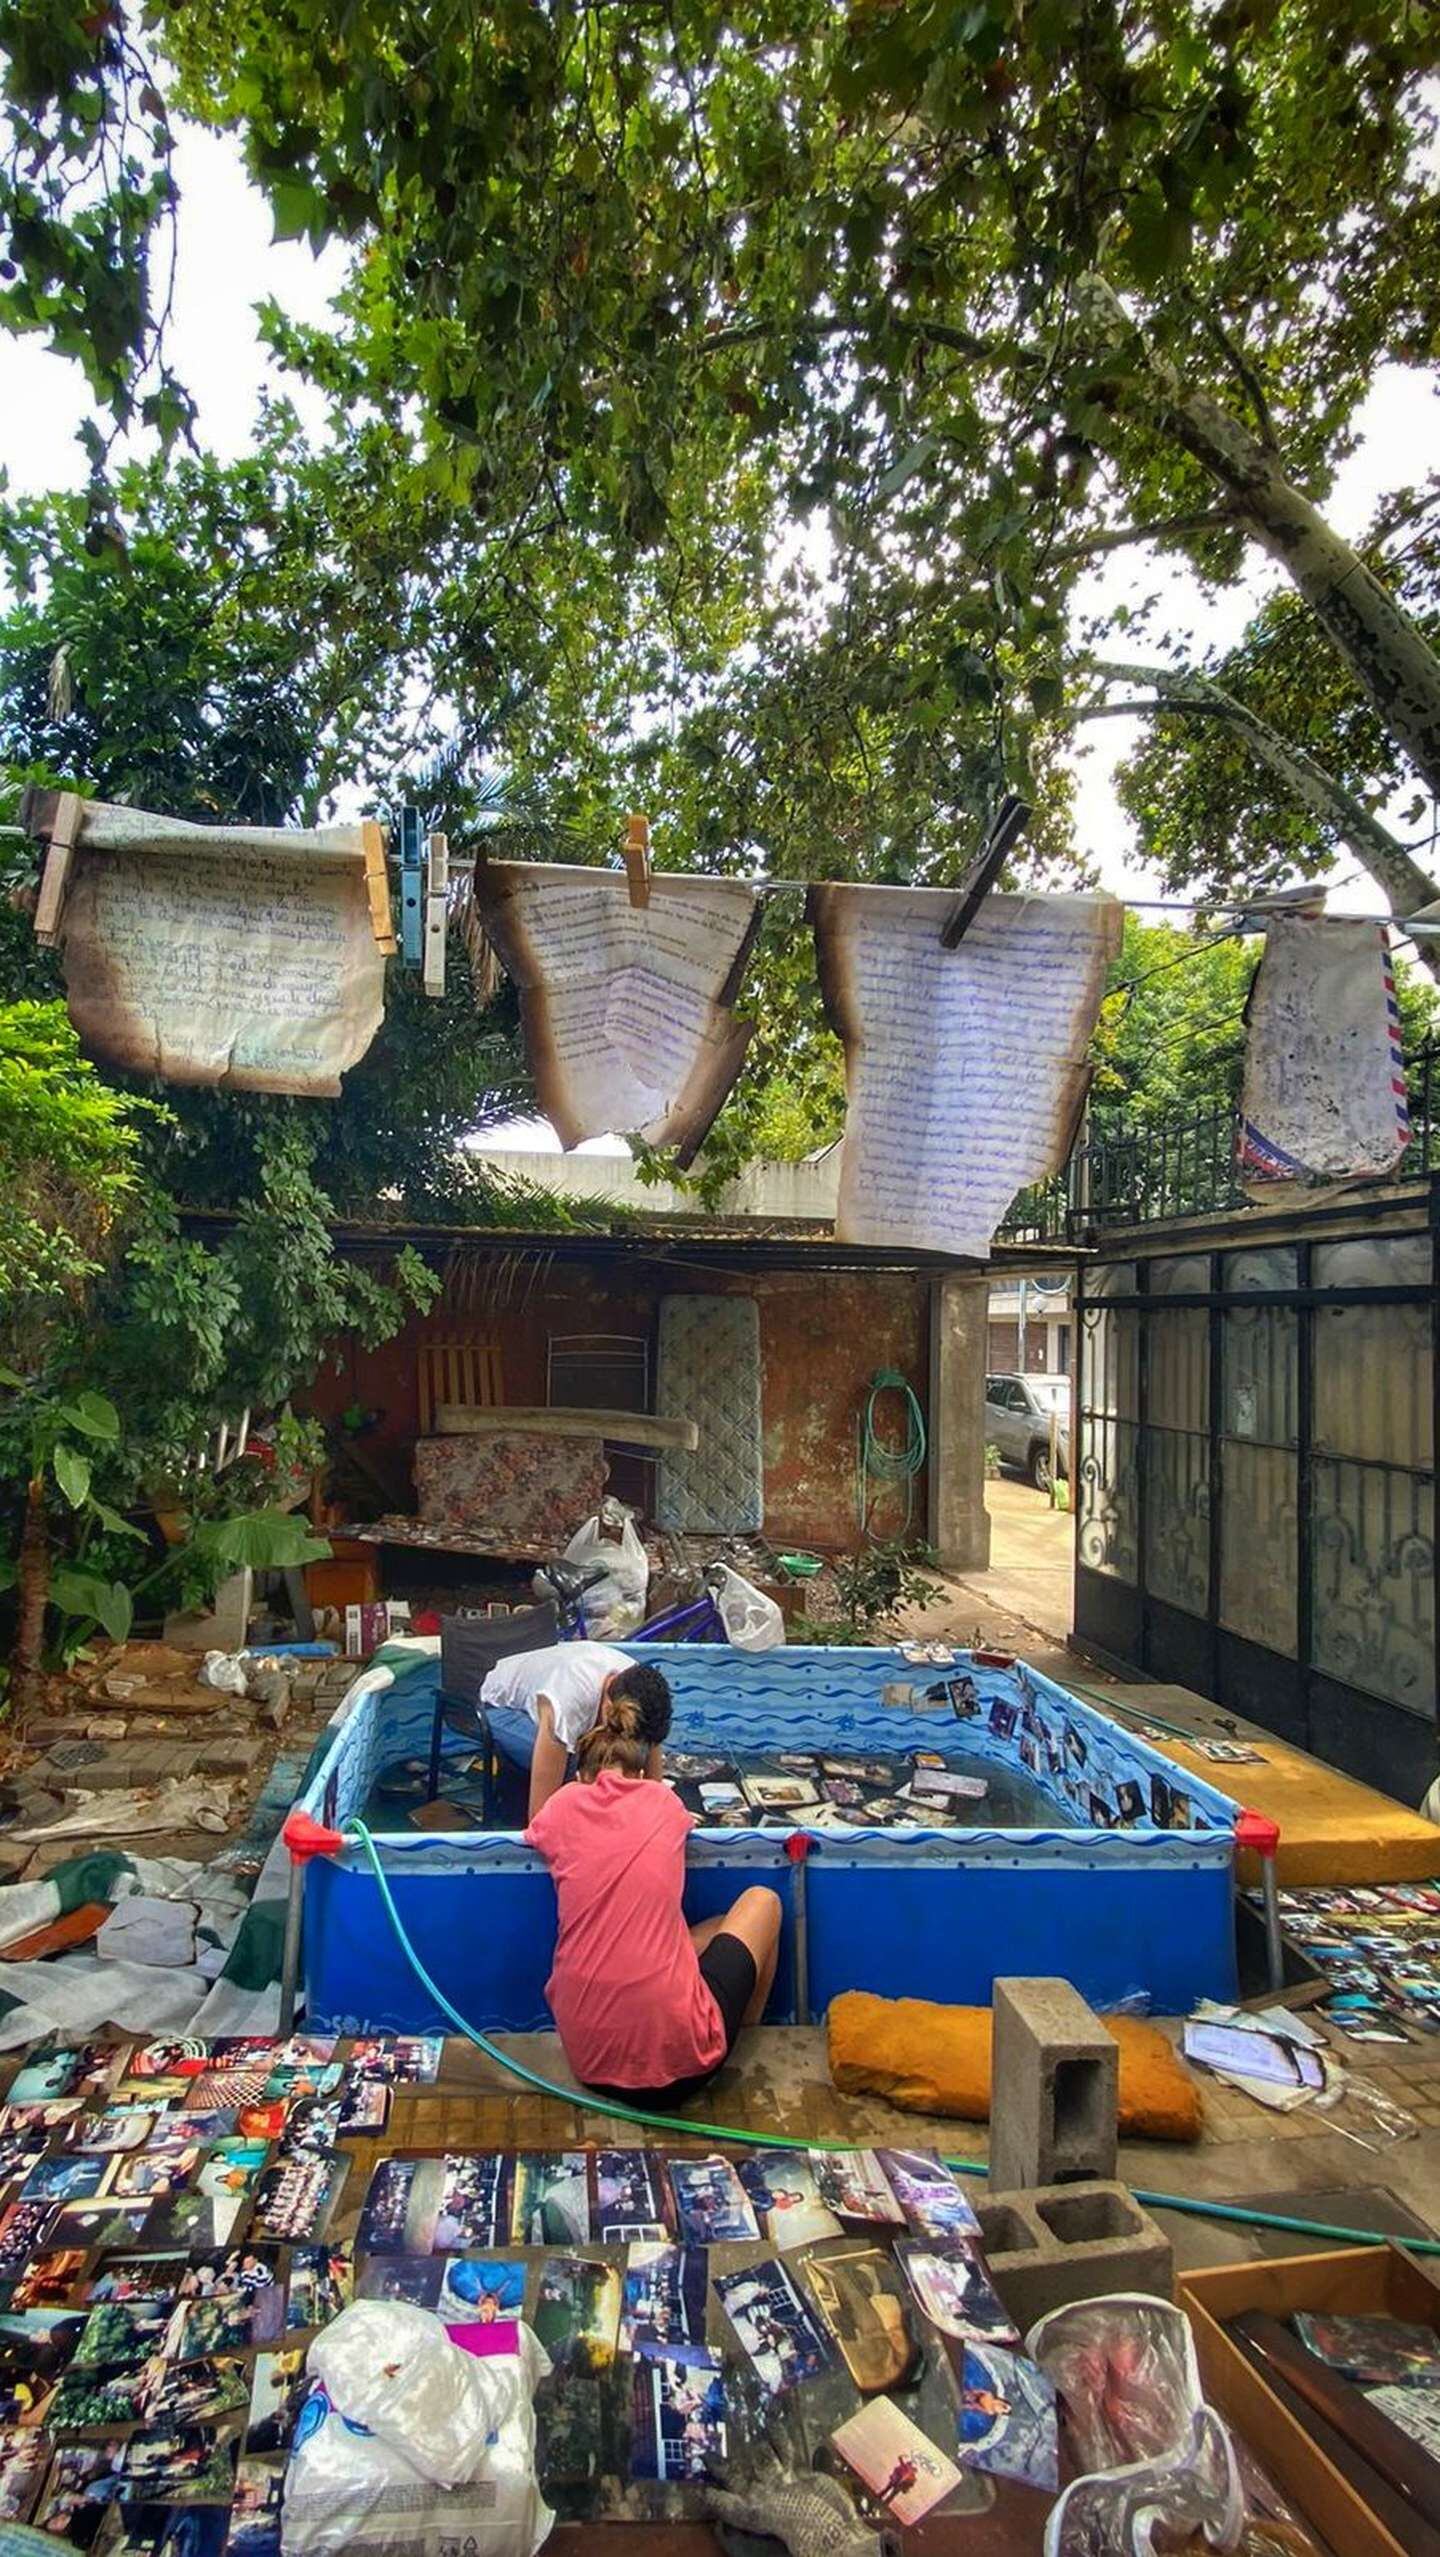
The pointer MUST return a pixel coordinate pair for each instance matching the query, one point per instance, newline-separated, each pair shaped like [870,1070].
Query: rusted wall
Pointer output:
[822,1340]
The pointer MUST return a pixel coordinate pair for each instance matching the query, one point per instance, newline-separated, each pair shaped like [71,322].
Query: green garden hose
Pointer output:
[878,1464]
[1239,2213]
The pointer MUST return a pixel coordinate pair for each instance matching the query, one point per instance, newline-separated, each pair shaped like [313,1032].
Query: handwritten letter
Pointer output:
[255,970]
[624,1024]
[965,1069]
[1324,1078]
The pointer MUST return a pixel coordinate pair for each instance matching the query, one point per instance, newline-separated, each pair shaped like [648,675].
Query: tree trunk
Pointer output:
[1387,860]
[1391,661]
[34,1592]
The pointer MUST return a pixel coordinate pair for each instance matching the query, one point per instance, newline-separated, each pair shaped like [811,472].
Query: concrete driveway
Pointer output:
[1028,1587]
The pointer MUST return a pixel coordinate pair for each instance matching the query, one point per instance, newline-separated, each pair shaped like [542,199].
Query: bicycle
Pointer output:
[694,1620]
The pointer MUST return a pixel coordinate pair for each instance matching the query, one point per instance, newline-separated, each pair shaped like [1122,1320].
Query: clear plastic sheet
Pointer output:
[1159,2465]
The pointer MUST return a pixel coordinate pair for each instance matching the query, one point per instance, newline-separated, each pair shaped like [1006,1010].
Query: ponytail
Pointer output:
[618,1740]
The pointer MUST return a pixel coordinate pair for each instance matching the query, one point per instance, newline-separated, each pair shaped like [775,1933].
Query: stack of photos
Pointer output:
[1378,1945]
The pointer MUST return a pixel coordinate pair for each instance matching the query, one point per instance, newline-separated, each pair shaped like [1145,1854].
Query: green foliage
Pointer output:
[68,1148]
[1209,816]
[873,1588]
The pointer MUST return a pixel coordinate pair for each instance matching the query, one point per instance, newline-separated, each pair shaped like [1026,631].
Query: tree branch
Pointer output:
[1213,519]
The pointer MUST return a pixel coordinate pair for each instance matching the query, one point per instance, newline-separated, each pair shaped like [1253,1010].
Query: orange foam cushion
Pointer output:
[936,2059]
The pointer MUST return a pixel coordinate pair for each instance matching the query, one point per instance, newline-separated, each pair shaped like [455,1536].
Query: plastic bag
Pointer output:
[1158,2461]
[408,2446]
[616,1604]
[752,1621]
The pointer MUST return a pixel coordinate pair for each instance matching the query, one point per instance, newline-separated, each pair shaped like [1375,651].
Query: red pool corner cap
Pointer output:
[1252,1829]
[306,1838]
[798,1846]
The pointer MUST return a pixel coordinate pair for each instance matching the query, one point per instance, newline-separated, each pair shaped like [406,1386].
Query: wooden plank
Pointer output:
[377,884]
[554,1420]
[437,883]
[64,826]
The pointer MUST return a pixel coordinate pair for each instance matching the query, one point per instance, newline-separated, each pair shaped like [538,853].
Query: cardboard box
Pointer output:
[1356,2281]
[366,1628]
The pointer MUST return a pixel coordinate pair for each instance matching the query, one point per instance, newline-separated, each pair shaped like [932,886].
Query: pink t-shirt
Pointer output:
[626,1993]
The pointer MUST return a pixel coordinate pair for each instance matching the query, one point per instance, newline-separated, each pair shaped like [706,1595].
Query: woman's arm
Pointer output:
[550,1759]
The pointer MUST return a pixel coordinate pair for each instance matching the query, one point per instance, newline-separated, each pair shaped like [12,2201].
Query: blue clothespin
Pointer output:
[412,888]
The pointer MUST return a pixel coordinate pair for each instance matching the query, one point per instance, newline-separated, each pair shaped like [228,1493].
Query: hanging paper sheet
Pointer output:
[242,966]
[625,1009]
[1324,1094]
[965,1069]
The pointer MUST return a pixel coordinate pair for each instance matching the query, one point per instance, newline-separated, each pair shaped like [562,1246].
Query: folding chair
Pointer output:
[470,1646]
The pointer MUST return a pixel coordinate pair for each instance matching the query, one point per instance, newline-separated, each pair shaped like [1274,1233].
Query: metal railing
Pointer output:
[1180,1167]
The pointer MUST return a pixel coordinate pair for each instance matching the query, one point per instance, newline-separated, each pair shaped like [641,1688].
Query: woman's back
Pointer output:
[626,1993]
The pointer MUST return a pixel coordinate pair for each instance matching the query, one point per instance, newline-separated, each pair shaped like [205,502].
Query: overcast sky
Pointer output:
[228,263]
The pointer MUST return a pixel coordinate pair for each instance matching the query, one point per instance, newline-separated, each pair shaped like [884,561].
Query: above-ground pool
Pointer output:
[1129,1893]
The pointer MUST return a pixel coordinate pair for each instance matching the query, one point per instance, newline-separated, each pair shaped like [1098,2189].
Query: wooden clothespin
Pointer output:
[437,884]
[636,849]
[54,817]
[377,884]
[1006,827]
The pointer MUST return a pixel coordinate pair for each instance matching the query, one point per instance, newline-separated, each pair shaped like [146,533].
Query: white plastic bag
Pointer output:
[752,1621]
[616,1604]
[1159,2465]
[410,2447]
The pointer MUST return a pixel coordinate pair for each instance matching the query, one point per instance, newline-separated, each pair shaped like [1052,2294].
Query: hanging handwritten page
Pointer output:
[625,1009]
[1324,1093]
[965,1069]
[256,970]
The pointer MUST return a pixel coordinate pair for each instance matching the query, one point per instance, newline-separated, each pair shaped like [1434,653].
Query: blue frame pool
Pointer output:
[1127,1907]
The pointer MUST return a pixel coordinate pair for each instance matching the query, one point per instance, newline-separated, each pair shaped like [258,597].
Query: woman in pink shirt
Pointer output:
[647,2008]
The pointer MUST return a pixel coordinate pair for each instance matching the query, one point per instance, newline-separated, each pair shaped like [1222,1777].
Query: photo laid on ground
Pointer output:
[785,2198]
[551,2204]
[852,2183]
[663,2296]
[779,2331]
[955,2292]
[711,2205]
[864,2304]
[577,2312]
[933,2203]
[677,2418]
[902,2472]
[1006,2421]
[632,2197]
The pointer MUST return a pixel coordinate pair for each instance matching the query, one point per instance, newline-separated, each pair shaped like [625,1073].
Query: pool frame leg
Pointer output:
[290,1958]
[797,1848]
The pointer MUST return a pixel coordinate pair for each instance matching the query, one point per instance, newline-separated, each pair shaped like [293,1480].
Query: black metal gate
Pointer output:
[1255,1484]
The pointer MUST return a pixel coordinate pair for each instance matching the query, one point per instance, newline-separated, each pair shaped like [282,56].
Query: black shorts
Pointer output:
[727,1968]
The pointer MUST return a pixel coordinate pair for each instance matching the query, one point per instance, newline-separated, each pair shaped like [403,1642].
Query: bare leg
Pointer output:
[755,1918]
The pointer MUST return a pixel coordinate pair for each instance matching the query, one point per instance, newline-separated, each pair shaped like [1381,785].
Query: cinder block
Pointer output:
[1067,2242]
[1054,2088]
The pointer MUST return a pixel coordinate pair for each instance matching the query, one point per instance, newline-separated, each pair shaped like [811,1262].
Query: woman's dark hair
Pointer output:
[648,1689]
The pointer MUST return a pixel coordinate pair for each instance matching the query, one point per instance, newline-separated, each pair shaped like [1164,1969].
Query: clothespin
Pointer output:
[1005,828]
[412,869]
[54,818]
[437,883]
[636,849]
[377,884]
